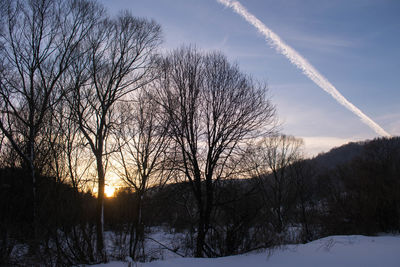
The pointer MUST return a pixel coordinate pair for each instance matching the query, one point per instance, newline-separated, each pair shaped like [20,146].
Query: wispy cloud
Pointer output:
[392,120]
[301,63]
[319,42]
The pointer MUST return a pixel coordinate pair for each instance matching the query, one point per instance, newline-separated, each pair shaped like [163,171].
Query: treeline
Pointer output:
[363,194]
[359,196]
[65,216]
[299,201]
[85,96]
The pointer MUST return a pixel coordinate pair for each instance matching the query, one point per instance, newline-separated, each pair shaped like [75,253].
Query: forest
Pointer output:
[87,99]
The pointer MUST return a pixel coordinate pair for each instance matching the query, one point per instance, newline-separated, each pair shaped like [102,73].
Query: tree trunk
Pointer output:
[34,246]
[137,230]
[201,235]
[100,209]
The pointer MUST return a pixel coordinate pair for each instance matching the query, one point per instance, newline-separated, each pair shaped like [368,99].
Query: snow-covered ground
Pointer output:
[351,251]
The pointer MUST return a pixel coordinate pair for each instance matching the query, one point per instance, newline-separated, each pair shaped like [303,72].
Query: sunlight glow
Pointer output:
[109,191]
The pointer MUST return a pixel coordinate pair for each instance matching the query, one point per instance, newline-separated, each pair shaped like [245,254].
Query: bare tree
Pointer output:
[38,42]
[212,108]
[117,61]
[304,173]
[143,147]
[271,159]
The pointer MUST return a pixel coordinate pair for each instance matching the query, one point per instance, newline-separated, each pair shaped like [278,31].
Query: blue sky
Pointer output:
[353,43]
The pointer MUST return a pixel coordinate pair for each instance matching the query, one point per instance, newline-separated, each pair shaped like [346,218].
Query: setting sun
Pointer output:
[109,191]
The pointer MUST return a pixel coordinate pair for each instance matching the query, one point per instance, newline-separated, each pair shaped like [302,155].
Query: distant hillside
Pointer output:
[339,155]
[347,152]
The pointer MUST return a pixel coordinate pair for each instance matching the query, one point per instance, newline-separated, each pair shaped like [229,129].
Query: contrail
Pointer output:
[300,62]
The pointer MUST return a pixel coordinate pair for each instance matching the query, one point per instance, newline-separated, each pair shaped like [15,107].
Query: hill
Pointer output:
[332,251]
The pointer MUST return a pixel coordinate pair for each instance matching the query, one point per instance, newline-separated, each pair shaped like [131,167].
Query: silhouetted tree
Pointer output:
[272,158]
[212,108]
[39,40]
[117,61]
[303,173]
[143,161]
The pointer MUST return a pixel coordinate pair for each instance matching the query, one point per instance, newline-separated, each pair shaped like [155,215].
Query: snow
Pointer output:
[351,251]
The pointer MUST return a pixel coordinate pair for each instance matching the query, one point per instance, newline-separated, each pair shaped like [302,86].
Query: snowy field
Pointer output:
[343,251]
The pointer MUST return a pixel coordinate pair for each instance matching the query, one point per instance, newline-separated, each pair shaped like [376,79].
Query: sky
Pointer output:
[354,44]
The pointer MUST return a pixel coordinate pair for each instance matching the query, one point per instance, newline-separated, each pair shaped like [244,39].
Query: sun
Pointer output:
[109,191]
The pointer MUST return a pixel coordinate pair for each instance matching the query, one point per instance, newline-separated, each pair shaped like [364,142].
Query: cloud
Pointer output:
[322,43]
[313,145]
[301,63]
